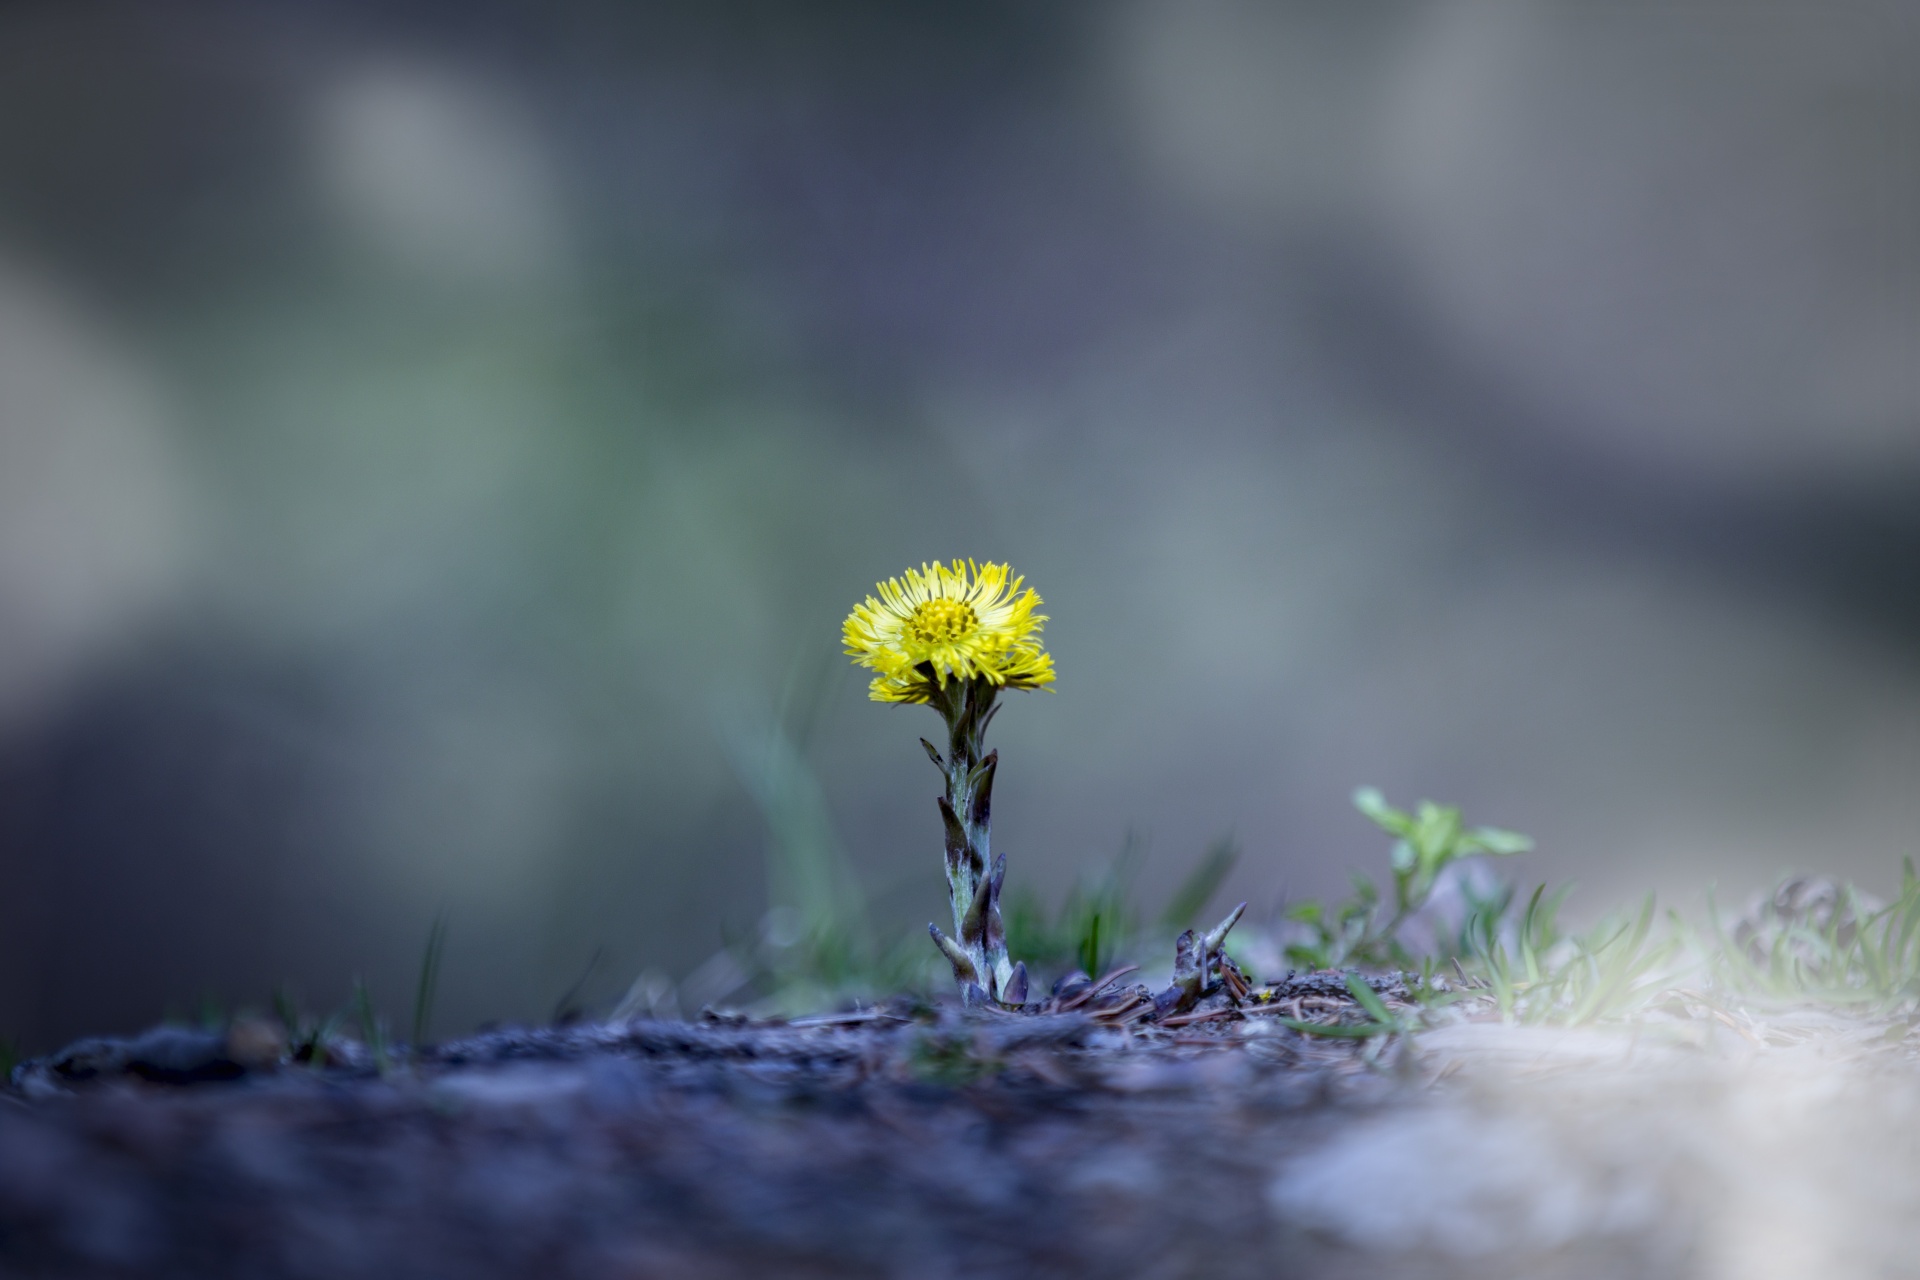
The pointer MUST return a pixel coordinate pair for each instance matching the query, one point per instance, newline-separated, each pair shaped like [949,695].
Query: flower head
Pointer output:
[938,621]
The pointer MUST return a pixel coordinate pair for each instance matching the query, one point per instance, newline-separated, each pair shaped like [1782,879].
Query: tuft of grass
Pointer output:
[1847,951]
[1096,919]
[1097,925]
[1610,972]
[1510,973]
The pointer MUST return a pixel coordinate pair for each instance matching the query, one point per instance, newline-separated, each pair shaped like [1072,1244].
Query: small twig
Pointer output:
[1124,1013]
[1095,988]
[1114,1011]
[846,1019]
[1299,1004]
[1188,1019]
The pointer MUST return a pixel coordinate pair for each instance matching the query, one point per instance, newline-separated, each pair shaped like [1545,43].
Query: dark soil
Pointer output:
[924,1143]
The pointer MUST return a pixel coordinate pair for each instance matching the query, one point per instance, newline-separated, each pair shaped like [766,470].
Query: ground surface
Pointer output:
[936,1143]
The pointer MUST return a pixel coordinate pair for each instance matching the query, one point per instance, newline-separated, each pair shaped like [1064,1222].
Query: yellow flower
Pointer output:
[963,620]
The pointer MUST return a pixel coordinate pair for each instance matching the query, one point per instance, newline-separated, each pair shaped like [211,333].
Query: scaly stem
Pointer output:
[978,948]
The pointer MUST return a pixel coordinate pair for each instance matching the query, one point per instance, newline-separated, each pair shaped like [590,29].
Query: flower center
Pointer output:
[941,621]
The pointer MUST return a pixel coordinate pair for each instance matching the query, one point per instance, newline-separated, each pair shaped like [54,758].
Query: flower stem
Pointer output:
[978,948]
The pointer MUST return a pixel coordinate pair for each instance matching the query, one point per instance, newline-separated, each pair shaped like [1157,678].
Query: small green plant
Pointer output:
[1364,929]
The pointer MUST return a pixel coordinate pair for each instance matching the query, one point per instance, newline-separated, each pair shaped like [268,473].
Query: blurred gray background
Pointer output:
[426,428]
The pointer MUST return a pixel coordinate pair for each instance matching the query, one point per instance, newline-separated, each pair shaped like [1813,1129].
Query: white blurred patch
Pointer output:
[1460,1183]
[443,174]
[92,513]
[1772,1146]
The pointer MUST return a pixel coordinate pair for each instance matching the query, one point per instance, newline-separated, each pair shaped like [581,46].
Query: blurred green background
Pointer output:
[430,434]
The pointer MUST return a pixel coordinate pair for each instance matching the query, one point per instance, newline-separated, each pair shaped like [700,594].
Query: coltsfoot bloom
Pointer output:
[942,622]
[954,635]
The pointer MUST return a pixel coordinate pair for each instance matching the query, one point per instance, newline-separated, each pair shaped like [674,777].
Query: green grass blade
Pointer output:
[1368,999]
[428,985]
[1338,1030]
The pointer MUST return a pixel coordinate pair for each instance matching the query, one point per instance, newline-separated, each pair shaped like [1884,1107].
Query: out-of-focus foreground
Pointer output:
[1695,1145]
[436,442]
